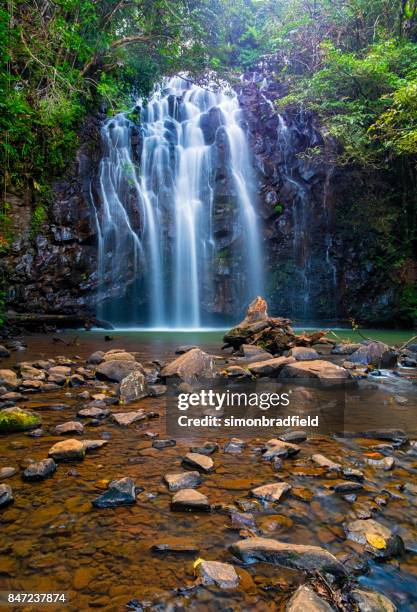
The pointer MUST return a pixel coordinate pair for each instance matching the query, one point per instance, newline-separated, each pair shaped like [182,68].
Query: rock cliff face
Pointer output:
[323,242]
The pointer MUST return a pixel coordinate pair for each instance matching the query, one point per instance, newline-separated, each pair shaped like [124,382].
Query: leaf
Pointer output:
[198,562]
[376,541]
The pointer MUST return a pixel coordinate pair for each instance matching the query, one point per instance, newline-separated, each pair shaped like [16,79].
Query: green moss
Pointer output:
[15,419]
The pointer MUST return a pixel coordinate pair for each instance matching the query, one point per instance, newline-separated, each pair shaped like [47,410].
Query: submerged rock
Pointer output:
[183,480]
[193,365]
[377,539]
[120,492]
[222,575]
[6,495]
[175,545]
[39,470]
[368,601]
[295,556]
[307,600]
[190,500]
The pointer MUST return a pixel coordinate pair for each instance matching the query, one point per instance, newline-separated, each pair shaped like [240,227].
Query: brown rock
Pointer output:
[189,367]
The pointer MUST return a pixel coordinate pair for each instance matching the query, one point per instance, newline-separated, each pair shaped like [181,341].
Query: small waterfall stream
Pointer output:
[156,208]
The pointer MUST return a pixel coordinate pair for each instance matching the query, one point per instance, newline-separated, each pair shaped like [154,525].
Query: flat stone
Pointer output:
[93,413]
[329,374]
[271,492]
[133,387]
[127,418]
[347,486]
[293,436]
[71,427]
[269,367]
[377,539]
[67,450]
[190,500]
[306,600]
[303,353]
[183,480]
[120,492]
[175,546]
[353,474]
[116,370]
[295,556]
[324,462]
[234,446]
[91,445]
[160,444]
[201,462]
[193,365]
[345,348]
[255,353]
[278,448]
[39,470]
[208,448]
[6,495]
[368,601]
[222,575]
[7,472]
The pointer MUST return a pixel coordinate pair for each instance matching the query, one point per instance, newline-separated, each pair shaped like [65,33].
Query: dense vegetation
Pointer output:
[352,62]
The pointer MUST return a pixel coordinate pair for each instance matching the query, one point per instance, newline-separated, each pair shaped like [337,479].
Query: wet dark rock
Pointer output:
[347,486]
[395,435]
[7,472]
[278,448]
[67,450]
[303,353]
[90,445]
[116,370]
[234,446]
[242,520]
[133,387]
[183,480]
[71,427]
[39,470]
[271,492]
[208,448]
[96,358]
[175,546]
[306,600]
[375,353]
[295,556]
[293,436]
[377,539]
[6,495]
[193,365]
[353,474]
[156,390]
[4,352]
[185,348]
[120,492]
[76,380]
[161,444]
[190,500]
[222,575]
[128,418]
[371,601]
[200,462]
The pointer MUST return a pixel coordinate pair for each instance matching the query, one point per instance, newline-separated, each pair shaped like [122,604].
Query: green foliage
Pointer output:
[17,420]
[408,302]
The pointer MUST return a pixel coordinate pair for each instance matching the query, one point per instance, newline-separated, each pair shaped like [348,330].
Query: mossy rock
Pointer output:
[17,419]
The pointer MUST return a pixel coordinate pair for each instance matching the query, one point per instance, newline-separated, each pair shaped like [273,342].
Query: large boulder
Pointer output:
[133,387]
[329,374]
[17,419]
[191,366]
[377,354]
[295,556]
[116,370]
[307,600]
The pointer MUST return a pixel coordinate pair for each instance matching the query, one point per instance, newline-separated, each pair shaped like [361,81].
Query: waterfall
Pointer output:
[162,184]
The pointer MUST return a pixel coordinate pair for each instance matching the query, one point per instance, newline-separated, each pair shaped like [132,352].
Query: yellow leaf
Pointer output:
[197,562]
[375,540]
[36,185]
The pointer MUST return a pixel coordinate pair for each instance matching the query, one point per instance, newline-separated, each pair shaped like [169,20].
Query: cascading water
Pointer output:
[157,209]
